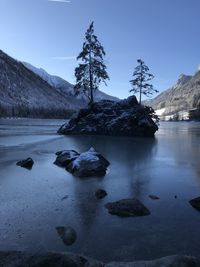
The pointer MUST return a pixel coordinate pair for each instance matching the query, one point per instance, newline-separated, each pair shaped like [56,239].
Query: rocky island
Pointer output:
[115,118]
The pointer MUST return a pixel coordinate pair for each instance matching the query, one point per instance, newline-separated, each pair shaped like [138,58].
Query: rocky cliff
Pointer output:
[181,97]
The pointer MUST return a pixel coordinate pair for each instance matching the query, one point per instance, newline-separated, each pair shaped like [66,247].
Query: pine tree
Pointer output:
[140,83]
[92,71]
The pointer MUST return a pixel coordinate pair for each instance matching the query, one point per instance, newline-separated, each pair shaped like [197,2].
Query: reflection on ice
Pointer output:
[33,203]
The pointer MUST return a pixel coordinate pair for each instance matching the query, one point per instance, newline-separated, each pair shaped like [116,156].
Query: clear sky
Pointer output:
[49,34]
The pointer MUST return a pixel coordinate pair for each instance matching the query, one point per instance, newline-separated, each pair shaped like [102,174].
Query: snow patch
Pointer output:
[160,112]
[89,156]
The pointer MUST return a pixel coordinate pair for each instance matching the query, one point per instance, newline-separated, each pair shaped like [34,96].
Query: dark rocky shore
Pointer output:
[123,118]
[24,259]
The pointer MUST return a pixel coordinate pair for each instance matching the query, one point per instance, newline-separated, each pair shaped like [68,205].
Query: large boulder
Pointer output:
[127,207]
[86,164]
[122,118]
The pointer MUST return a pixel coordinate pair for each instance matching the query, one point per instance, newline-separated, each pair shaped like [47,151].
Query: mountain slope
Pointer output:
[21,88]
[66,87]
[183,96]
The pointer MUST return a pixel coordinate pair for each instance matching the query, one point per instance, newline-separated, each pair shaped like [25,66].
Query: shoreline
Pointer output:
[24,259]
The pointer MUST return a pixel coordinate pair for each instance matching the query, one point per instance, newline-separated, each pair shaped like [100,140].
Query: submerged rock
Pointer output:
[100,193]
[89,163]
[122,118]
[195,202]
[154,197]
[127,207]
[50,259]
[65,197]
[67,234]
[26,163]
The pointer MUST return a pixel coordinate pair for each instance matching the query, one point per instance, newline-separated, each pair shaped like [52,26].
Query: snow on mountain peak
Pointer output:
[53,80]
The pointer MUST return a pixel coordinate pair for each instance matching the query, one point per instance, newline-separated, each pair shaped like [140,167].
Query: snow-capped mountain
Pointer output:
[53,80]
[66,87]
[23,93]
[28,91]
[180,98]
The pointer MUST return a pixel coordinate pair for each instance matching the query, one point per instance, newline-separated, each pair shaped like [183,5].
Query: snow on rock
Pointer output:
[106,117]
[65,157]
[88,156]
[86,164]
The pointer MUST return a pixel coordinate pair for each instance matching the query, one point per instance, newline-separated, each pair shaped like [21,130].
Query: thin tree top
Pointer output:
[91,46]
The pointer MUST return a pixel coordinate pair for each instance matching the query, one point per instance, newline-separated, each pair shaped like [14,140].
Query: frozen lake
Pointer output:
[31,204]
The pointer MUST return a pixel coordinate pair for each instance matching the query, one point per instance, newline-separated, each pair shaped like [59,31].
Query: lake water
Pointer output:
[31,204]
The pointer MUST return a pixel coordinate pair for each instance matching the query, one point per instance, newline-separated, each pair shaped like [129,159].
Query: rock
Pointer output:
[50,259]
[195,202]
[169,261]
[65,197]
[100,193]
[46,259]
[26,163]
[154,197]
[127,207]
[89,163]
[65,157]
[67,234]
[106,117]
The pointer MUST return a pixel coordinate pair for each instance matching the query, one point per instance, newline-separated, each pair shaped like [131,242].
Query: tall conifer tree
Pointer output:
[92,71]
[140,82]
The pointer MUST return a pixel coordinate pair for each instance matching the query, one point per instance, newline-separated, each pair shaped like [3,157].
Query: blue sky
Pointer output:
[49,34]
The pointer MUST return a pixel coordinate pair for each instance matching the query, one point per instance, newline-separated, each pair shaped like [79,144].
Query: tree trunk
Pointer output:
[91,89]
[91,79]
[141,84]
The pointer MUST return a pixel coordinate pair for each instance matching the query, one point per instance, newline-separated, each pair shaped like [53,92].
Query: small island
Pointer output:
[117,118]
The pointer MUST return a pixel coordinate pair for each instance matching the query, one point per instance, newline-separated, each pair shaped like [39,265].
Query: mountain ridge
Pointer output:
[64,86]
[23,92]
[181,97]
